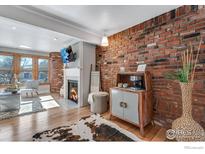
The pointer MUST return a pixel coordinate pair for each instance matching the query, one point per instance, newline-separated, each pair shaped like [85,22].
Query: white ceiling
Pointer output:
[14,34]
[105,18]
[86,22]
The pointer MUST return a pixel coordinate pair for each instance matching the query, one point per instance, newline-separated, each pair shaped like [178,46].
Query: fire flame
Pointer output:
[74,94]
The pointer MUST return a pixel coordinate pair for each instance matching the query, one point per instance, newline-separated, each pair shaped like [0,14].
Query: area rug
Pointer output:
[26,107]
[91,128]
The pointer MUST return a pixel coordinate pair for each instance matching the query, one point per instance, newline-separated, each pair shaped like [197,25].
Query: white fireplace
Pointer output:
[79,71]
[71,74]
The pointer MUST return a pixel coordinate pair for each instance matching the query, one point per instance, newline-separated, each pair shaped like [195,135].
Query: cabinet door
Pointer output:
[131,110]
[117,98]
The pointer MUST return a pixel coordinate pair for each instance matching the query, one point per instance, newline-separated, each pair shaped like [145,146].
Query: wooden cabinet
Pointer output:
[134,106]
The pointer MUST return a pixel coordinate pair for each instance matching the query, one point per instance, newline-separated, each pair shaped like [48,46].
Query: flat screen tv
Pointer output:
[67,55]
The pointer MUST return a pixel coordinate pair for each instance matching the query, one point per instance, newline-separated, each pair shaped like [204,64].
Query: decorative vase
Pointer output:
[185,128]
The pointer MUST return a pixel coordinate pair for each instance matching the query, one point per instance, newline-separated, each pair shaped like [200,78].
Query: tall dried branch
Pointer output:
[194,65]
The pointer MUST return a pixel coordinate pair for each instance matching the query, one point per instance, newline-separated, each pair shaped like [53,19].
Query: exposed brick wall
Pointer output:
[56,72]
[159,42]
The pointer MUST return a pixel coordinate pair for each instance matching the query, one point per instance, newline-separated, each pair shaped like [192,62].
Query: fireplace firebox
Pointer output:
[73,90]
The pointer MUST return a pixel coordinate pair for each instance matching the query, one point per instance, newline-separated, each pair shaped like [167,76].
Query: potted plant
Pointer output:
[185,127]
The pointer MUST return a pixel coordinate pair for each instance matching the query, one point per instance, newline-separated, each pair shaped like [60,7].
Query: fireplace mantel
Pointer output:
[72,73]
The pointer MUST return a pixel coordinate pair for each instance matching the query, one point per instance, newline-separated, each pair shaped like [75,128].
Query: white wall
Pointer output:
[89,57]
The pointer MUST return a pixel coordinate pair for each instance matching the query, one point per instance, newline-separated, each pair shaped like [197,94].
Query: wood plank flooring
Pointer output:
[22,128]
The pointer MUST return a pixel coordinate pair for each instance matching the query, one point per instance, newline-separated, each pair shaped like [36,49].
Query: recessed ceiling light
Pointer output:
[13,28]
[24,46]
[55,39]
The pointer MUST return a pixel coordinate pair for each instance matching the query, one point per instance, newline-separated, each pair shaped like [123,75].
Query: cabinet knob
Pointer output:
[125,105]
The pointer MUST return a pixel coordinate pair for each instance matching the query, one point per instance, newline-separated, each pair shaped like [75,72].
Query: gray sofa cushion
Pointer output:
[33,84]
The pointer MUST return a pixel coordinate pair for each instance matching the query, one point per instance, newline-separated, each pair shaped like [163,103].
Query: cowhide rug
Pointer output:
[91,128]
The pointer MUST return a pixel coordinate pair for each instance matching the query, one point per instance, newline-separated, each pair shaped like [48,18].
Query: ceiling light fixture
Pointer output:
[55,39]
[104,41]
[24,46]
[13,28]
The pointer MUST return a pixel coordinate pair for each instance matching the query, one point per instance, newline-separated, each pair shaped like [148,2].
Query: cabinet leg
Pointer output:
[142,130]
[153,124]
[110,117]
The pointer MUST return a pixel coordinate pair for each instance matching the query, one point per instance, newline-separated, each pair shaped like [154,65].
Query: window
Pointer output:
[43,70]
[26,69]
[6,71]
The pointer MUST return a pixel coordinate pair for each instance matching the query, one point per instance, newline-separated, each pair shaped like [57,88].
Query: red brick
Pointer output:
[56,72]
[166,94]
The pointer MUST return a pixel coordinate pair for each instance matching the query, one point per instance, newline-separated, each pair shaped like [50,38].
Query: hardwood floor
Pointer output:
[22,128]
